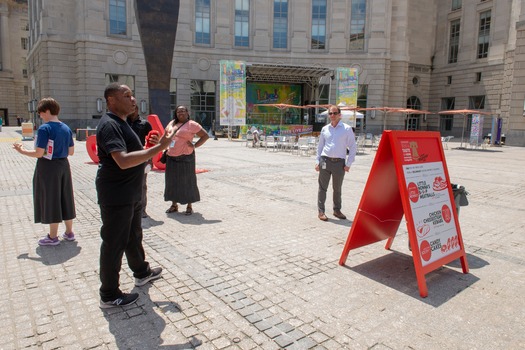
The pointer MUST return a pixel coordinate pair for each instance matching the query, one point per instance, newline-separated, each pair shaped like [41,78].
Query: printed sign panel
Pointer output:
[232,93]
[347,82]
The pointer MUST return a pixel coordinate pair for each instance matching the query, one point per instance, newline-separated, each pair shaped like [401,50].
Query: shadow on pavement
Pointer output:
[193,219]
[139,326]
[473,262]
[54,255]
[396,270]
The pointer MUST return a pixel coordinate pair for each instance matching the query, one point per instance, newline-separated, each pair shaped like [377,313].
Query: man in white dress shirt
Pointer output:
[335,154]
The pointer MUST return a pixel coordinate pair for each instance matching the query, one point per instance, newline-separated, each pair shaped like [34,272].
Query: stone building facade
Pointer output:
[416,53]
[14,45]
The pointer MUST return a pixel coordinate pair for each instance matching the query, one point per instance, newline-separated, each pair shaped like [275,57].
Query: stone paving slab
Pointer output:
[253,267]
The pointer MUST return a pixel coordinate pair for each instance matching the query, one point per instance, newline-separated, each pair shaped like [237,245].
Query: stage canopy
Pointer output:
[286,74]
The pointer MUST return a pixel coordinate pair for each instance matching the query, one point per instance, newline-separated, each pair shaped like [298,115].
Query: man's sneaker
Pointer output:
[154,274]
[68,236]
[123,300]
[49,241]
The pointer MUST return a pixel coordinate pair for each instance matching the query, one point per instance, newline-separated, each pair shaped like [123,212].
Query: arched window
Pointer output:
[412,121]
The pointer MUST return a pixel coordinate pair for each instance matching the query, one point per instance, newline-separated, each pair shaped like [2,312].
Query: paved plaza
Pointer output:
[254,268]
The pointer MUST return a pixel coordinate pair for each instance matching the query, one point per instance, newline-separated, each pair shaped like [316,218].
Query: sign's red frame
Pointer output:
[386,198]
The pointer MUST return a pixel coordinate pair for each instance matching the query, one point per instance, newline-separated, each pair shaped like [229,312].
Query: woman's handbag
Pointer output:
[163,157]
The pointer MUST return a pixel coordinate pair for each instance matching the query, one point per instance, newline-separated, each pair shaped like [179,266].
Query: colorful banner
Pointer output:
[266,93]
[476,129]
[284,130]
[232,103]
[346,91]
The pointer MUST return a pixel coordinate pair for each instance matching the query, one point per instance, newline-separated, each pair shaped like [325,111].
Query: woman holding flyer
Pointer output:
[52,184]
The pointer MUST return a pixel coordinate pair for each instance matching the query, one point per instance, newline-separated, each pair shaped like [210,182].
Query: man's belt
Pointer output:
[333,159]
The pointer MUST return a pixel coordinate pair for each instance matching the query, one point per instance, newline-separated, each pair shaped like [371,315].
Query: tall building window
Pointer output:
[476,102]
[117,17]
[453,48]
[24,43]
[446,121]
[202,22]
[280,24]
[357,25]
[413,120]
[318,41]
[173,96]
[484,34]
[242,23]
[456,5]
[203,102]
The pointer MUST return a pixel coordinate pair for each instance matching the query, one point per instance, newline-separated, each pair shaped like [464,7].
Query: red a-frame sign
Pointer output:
[409,176]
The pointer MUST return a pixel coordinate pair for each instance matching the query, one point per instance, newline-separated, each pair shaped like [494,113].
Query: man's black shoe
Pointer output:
[123,300]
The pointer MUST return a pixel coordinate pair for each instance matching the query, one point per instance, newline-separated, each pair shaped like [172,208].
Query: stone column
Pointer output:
[157,23]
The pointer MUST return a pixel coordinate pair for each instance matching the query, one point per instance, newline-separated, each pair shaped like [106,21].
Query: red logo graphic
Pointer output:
[446,213]
[452,243]
[413,192]
[425,250]
[423,230]
[439,184]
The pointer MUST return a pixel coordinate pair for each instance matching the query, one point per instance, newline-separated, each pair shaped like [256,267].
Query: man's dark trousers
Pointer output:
[335,168]
[121,233]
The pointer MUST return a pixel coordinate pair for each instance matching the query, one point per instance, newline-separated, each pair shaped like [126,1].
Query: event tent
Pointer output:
[347,117]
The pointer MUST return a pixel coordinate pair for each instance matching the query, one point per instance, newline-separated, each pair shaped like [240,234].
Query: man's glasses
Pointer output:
[333,113]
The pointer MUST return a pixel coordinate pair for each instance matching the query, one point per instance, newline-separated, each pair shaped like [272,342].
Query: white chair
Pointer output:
[289,143]
[303,146]
[445,140]
[283,143]
[369,140]
[270,142]
[262,140]
[312,144]
[360,142]
[249,139]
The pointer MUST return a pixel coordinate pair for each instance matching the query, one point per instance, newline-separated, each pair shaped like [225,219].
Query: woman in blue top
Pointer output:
[52,184]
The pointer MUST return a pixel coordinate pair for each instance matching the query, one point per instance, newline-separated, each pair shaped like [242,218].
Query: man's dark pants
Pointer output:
[335,168]
[121,233]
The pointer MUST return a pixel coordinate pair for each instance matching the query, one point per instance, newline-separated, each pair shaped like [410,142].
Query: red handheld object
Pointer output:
[148,143]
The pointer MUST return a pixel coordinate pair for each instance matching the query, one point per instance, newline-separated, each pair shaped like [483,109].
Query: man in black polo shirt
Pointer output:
[119,189]
[141,127]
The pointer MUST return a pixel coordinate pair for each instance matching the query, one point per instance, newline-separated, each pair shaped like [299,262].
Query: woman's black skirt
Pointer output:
[53,191]
[180,180]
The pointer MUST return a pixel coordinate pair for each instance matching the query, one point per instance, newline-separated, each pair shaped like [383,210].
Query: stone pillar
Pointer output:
[157,23]
[5,58]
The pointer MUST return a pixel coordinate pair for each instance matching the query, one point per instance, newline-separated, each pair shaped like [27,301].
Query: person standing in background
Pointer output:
[335,154]
[181,181]
[52,183]
[142,127]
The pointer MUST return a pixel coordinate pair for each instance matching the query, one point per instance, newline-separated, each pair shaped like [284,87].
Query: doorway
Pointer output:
[4,116]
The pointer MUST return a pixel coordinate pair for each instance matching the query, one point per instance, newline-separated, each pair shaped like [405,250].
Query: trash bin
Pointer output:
[460,196]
